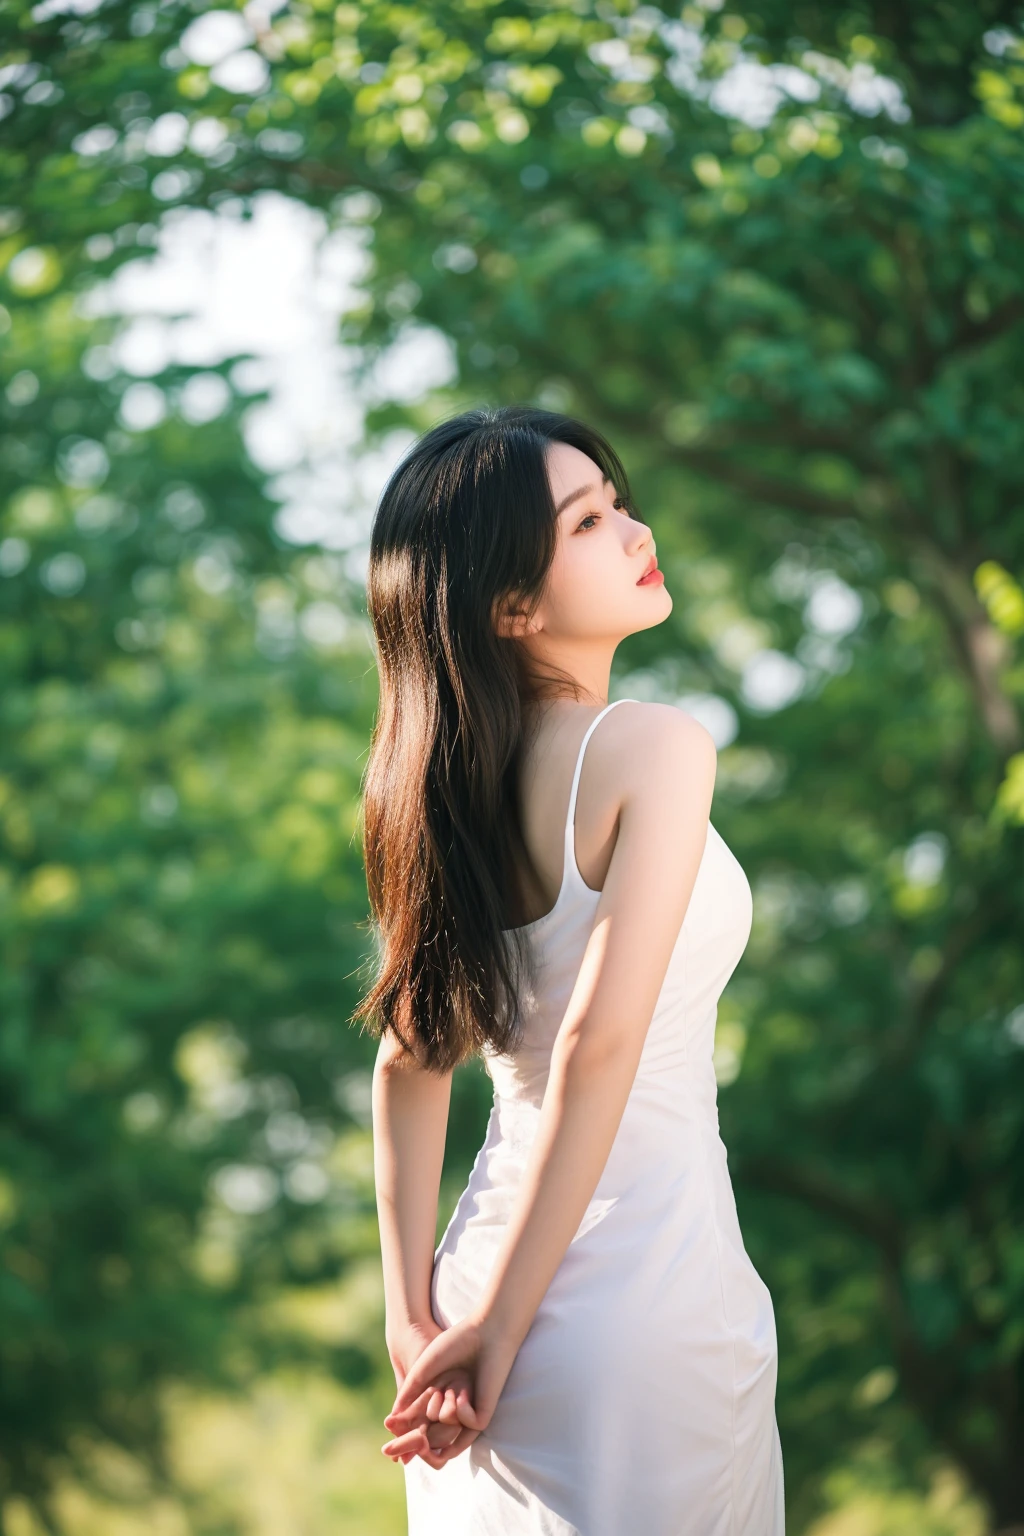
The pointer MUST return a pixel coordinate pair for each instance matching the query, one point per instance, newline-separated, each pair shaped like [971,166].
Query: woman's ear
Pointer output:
[513,621]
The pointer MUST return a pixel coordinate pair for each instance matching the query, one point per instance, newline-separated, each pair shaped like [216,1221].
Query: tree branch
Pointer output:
[980,333]
[769,488]
[956,943]
[876,1223]
[980,647]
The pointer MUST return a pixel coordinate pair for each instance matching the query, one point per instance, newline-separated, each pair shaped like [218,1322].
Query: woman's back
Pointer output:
[643,1394]
[557,770]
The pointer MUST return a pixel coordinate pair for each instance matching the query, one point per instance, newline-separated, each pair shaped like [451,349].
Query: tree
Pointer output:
[803,328]
[180,894]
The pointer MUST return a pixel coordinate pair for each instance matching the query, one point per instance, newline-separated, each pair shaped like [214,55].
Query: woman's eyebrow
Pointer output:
[581,490]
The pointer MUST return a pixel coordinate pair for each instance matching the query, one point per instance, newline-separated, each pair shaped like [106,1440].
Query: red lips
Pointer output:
[652,565]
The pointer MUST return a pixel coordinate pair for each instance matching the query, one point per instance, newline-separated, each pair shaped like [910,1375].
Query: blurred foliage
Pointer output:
[804,331]
[179,889]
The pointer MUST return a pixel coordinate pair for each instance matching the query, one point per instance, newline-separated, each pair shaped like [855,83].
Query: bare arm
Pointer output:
[667,779]
[663,769]
[410,1120]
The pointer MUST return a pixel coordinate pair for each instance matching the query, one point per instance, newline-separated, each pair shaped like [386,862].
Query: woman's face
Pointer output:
[593,589]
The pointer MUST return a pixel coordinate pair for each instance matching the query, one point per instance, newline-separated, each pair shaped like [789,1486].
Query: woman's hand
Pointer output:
[453,1385]
[405,1344]
[406,1341]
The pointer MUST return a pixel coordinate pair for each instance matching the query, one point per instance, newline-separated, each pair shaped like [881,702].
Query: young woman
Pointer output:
[589,1351]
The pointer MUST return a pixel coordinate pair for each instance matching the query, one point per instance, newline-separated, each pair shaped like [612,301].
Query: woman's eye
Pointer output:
[594,517]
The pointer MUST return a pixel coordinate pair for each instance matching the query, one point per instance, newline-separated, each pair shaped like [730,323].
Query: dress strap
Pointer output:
[570,821]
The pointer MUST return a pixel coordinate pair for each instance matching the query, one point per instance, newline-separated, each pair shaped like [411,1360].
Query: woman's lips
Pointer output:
[651,578]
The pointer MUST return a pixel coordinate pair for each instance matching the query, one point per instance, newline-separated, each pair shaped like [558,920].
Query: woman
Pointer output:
[589,1351]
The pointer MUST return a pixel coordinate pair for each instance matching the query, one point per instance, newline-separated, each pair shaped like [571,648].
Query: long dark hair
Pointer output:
[465,521]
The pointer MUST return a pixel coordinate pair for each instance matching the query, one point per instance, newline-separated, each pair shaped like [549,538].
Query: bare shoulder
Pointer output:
[643,745]
[660,765]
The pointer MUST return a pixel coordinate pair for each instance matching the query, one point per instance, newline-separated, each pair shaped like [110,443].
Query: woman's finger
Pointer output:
[442,1360]
[404,1415]
[437,1459]
[440,1458]
[416,1440]
[399,1419]
[427,1444]
[418,1380]
[460,1379]
[435,1402]
[467,1411]
[459,1408]
[406,1418]
[440,1435]
[436,1437]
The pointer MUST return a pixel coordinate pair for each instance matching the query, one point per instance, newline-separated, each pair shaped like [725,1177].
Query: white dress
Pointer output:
[642,1400]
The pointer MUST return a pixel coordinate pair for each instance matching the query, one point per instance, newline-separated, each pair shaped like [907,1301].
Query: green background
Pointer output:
[804,335]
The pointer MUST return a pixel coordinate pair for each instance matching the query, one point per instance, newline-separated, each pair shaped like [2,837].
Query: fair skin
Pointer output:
[646,784]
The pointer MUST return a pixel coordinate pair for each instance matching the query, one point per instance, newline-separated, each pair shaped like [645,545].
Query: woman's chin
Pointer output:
[659,609]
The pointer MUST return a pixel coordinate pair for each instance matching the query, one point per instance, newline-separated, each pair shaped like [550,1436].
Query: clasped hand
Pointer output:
[449,1381]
